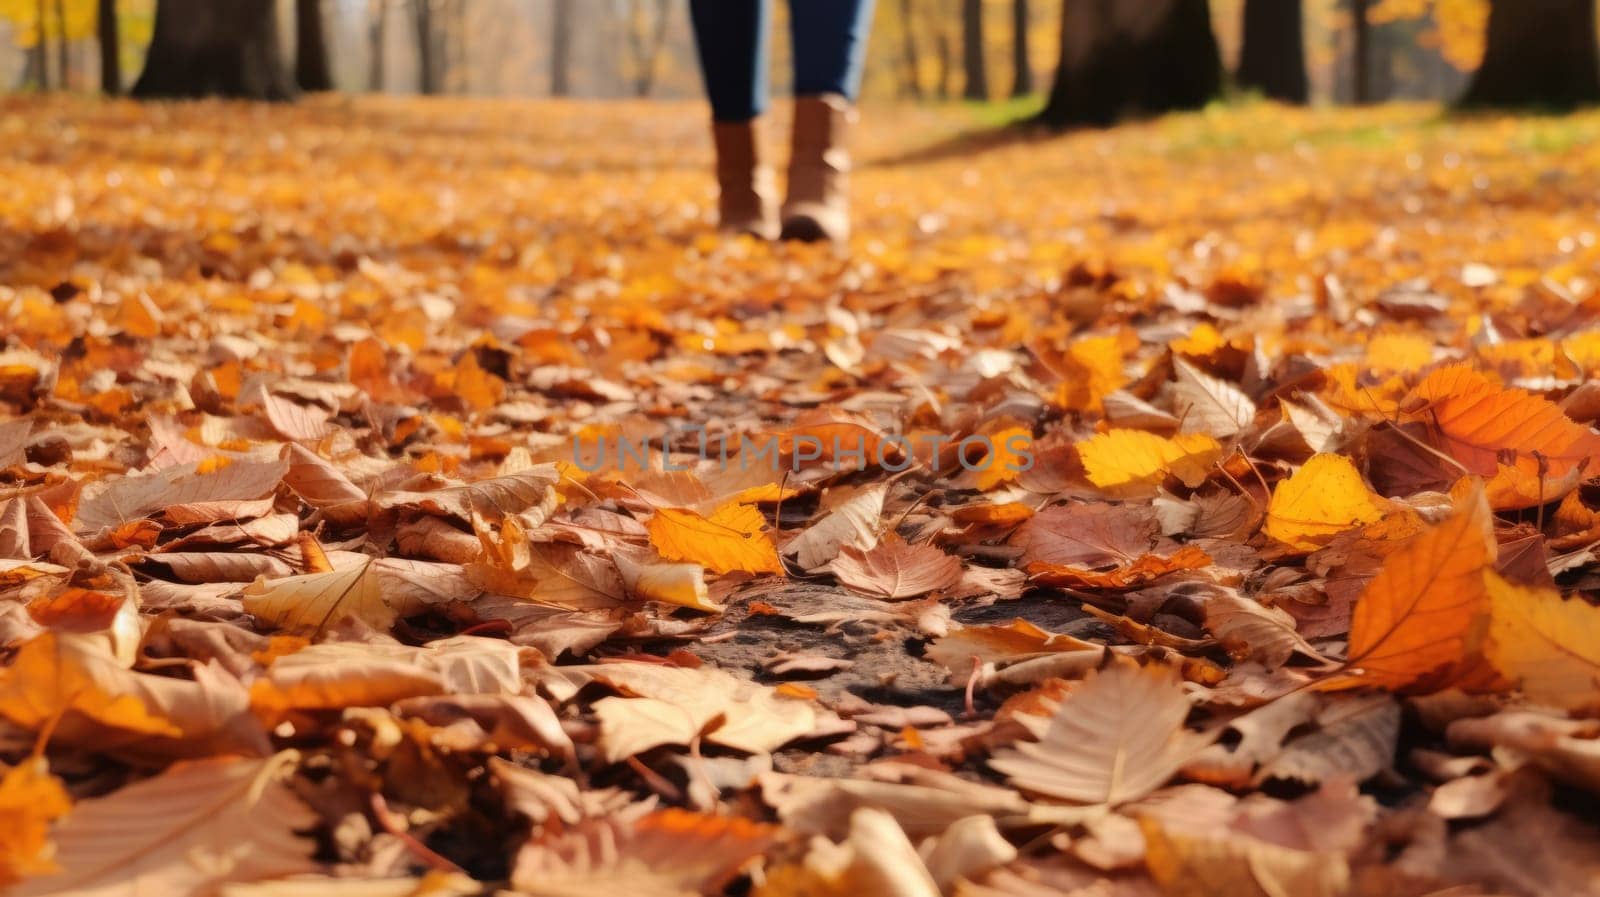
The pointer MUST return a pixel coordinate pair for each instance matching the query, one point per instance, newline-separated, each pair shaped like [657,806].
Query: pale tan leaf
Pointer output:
[1208,405]
[311,602]
[183,833]
[1116,737]
[853,523]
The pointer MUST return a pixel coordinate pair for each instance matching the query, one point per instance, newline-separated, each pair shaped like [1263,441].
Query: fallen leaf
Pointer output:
[1322,499]
[1133,462]
[186,831]
[1417,616]
[896,569]
[1115,738]
[732,539]
[1549,647]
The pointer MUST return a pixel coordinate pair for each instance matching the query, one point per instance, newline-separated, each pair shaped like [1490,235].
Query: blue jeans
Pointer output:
[829,38]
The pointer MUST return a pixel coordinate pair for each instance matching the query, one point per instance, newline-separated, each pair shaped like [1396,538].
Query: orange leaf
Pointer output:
[1418,615]
[1480,424]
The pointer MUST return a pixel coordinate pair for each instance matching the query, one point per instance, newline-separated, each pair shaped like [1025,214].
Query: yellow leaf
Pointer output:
[1090,369]
[1325,497]
[680,584]
[1399,353]
[1011,455]
[731,539]
[1134,460]
[1547,645]
[30,799]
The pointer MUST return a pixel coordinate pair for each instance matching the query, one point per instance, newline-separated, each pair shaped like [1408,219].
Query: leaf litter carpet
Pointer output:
[415,498]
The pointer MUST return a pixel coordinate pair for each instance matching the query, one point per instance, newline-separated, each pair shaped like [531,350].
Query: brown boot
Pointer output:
[747,194]
[818,207]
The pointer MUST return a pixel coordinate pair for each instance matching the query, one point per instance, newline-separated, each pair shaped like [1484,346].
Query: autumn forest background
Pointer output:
[1412,49]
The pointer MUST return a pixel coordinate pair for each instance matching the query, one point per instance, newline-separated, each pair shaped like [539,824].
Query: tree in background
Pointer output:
[377,43]
[973,65]
[1538,53]
[646,25]
[1360,52]
[1145,56]
[110,47]
[37,72]
[561,35]
[1273,59]
[1021,60]
[310,47]
[429,70]
[204,48]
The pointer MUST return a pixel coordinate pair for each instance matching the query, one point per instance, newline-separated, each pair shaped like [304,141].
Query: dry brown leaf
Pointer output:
[896,569]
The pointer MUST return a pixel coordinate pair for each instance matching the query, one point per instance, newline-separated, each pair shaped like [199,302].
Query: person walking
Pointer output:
[829,42]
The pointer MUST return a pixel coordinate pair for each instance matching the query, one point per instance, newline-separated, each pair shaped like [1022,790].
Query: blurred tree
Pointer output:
[973,64]
[310,47]
[430,71]
[561,33]
[63,57]
[1021,61]
[1273,58]
[945,51]
[37,72]
[1360,52]
[204,48]
[1538,53]
[910,58]
[377,40]
[110,47]
[1119,56]
[646,25]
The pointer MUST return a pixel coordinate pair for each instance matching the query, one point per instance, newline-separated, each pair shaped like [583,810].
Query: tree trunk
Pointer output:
[377,41]
[1539,53]
[63,59]
[1273,59]
[460,70]
[1117,57]
[1360,53]
[110,47]
[911,85]
[203,48]
[946,57]
[561,31]
[427,58]
[310,47]
[1021,61]
[647,37]
[37,72]
[972,61]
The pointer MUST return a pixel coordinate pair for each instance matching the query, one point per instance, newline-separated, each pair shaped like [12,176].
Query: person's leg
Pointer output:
[731,36]
[830,44]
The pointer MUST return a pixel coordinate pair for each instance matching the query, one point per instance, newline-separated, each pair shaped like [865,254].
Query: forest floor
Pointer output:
[1198,507]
